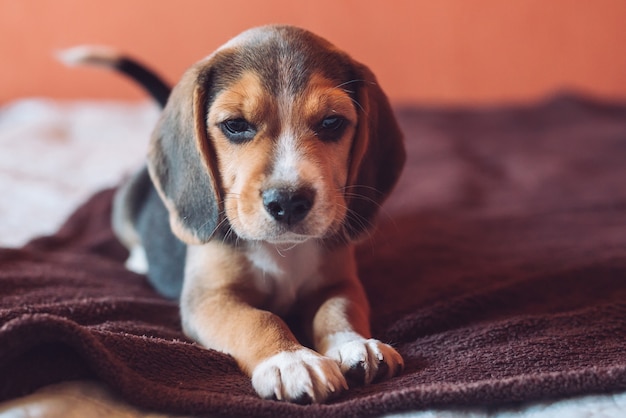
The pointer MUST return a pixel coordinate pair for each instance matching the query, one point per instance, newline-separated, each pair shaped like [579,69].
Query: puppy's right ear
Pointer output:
[182,160]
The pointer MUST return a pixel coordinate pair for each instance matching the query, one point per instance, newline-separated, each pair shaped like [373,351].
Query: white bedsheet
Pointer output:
[53,156]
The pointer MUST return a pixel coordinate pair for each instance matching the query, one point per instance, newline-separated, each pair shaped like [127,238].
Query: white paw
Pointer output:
[363,361]
[301,376]
[137,260]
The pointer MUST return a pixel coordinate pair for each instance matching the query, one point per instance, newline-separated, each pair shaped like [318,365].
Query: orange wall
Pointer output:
[445,51]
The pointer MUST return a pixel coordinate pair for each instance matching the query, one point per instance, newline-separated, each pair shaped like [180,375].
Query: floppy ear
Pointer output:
[377,154]
[182,161]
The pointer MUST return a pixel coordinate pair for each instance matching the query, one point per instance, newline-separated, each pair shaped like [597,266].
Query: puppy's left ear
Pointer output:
[377,154]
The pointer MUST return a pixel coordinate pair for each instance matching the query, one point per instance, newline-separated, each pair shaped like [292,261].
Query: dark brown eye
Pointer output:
[332,123]
[238,130]
[331,128]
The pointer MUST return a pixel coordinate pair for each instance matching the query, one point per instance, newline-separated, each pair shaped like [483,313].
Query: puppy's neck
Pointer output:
[284,271]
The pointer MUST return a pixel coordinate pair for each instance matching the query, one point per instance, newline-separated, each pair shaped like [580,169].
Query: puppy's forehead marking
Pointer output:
[287,158]
[299,113]
[285,58]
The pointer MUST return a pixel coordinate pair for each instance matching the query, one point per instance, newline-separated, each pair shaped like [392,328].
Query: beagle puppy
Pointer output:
[271,157]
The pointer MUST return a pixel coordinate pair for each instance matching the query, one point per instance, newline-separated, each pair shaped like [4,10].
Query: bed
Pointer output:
[498,270]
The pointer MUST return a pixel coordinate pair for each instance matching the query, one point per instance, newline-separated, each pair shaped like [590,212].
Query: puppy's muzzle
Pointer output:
[288,206]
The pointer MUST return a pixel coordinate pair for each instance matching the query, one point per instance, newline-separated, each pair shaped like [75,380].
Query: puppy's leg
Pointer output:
[340,325]
[218,310]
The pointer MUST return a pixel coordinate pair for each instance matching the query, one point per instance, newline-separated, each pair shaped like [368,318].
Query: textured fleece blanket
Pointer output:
[498,271]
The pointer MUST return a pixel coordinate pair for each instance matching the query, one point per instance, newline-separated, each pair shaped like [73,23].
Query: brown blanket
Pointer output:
[498,271]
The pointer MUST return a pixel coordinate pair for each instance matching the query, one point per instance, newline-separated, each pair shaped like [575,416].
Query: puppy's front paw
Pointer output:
[363,361]
[301,376]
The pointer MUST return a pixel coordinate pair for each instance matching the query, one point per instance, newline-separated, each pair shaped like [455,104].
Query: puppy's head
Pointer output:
[277,136]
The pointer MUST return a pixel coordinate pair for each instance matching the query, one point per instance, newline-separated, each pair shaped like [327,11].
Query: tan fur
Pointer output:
[233,294]
[221,313]
[244,168]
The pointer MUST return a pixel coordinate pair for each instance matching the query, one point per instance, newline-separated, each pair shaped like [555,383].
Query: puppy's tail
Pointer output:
[105,57]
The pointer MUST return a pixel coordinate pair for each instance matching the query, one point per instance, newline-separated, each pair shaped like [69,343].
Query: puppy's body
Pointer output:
[272,155]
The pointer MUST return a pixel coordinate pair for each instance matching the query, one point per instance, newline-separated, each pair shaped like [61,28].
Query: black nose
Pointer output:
[288,206]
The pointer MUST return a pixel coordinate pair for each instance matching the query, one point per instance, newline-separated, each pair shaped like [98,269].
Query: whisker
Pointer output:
[362,186]
[364,223]
[345,83]
[359,106]
[362,197]
[222,215]
[382,211]
[350,92]
[281,249]
[216,228]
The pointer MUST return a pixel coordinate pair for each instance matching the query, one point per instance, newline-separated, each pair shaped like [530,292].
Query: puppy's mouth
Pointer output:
[288,238]
[277,234]
[316,226]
